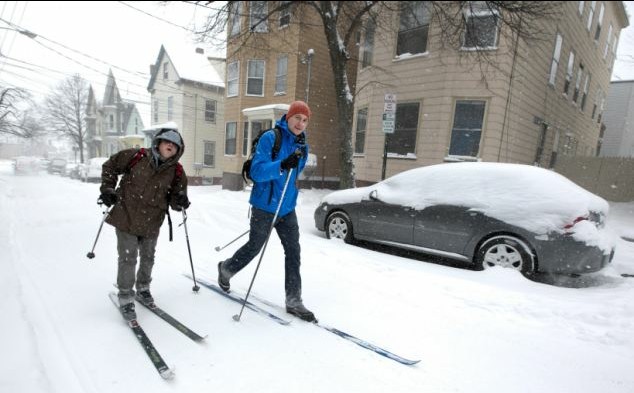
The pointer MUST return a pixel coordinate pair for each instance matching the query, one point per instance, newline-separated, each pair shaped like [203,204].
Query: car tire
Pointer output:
[506,251]
[338,226]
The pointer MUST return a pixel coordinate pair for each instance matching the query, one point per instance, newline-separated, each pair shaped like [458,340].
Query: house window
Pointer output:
[481,26]
[156,111]
[362,125]
[597,98]
[170,107]
[467,128]
[210,111]
[575,95]
[571,64]
[230,138]
[368,43]
[209,158]
[555,63]
[593,5]
[111,122]
[136,125]
[257,16]
[403,140]
[606,50]
[165,70]
[233,74]
[245,139]
[413,28]
[597,33]
[255,78]
[285,14]
[280,76]
[586,86]
[235,18]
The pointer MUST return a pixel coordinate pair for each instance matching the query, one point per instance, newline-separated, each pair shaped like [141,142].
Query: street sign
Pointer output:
[391,98]
[389,116]
[389,113]
[389,107]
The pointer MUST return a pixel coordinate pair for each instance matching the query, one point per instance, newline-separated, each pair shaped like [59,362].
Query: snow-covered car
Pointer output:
[91,171]
[511,215]
[25,165]
[57,165]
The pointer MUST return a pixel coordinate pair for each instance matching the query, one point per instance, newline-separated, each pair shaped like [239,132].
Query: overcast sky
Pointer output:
[90,38]
[125,39]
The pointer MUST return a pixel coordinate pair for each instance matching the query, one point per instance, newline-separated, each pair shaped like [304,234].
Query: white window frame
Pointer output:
[415,29]
[170,107]
[212,154]
[586,86]
[211,112]
[156,110]
[554,66]
[254,18]
[235,138]
[281,75]
[569,71]
[593,5]
[233,78]
[236,19]
[481,129]
[249,78]
[359,130]
[580,71]
[468,14]
[166,73]
[597,34]
[285,14]
[368,44]
[608,39]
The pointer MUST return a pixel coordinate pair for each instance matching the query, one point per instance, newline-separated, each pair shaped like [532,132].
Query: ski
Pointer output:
[349,337]
[239,300]
[164,371]
[173,321]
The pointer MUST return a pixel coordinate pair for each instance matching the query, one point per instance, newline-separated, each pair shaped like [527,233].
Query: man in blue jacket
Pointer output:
[269,176]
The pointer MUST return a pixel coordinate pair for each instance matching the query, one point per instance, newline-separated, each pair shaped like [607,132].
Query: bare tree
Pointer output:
[15,117]
[343,20]
[65,110]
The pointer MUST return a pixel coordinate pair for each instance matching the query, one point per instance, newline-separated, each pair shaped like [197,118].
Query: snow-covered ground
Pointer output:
[489,331]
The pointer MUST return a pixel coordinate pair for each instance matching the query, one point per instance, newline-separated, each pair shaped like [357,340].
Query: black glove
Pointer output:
[181,200]
[291,161]
[109,197]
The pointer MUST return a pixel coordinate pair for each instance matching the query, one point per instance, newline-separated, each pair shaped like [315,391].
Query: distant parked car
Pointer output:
[91,171]
[57,165]
[25,165]
[487,214]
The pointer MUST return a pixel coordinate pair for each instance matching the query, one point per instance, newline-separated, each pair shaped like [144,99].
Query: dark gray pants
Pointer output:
[288,231]
[129,247]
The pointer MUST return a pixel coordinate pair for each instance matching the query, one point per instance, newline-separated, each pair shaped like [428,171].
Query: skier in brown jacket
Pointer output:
[152,180]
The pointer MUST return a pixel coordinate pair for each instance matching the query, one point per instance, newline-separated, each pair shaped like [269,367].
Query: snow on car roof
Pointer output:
[536,199]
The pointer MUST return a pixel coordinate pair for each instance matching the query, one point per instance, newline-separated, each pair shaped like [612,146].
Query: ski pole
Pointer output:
[279,205]
[91,254]
[218,248]
[195,288]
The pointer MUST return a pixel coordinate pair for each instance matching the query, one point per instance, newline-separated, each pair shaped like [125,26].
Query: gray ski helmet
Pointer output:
[171,136]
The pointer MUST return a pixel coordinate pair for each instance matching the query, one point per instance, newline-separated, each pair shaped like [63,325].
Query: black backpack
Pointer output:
[246,166]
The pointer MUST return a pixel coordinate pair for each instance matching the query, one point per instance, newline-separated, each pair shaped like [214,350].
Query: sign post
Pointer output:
[389,123]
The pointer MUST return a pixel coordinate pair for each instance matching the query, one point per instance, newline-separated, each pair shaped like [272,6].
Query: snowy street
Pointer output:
[474,331]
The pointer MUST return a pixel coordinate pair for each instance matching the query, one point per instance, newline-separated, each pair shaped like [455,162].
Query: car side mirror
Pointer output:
[374,196]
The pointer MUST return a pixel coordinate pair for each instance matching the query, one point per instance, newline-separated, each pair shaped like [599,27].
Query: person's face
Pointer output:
[167,149]
[297,123]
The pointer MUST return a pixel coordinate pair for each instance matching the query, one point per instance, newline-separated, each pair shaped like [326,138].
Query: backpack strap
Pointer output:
[278,141]
[135,159]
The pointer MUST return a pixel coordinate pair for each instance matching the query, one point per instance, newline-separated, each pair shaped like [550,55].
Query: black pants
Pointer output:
[288,231]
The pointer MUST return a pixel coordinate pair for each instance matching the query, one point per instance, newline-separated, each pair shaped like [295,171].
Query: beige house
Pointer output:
[545,99]
[285,59]
[187,89]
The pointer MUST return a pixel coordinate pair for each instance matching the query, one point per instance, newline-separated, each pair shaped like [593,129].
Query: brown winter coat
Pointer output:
[143,192]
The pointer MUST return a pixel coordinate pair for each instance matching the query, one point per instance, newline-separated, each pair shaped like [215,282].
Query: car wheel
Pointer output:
[338,226]
[506,251]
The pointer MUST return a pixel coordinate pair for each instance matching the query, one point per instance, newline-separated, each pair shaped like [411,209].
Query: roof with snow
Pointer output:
[191,65]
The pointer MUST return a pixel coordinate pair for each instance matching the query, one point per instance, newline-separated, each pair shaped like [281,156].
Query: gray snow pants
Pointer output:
[129,247]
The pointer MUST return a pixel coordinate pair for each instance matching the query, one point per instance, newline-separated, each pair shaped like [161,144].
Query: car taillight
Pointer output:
[568,227]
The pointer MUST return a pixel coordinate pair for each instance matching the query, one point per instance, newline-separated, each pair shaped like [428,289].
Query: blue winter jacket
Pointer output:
[267,176]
